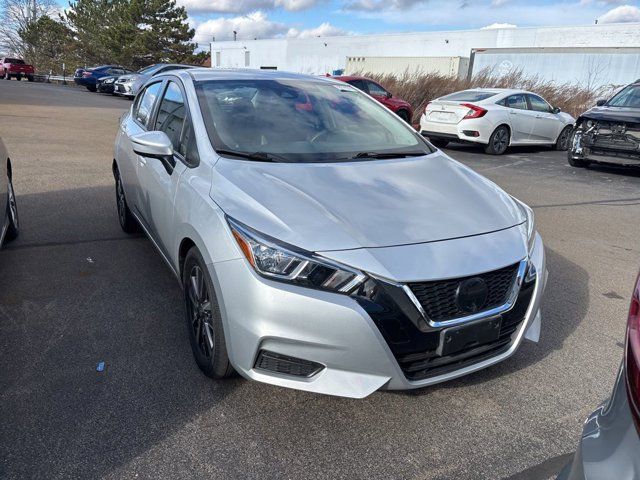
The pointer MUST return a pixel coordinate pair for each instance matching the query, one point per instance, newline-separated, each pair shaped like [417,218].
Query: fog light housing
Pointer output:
[471,133]
[286,365]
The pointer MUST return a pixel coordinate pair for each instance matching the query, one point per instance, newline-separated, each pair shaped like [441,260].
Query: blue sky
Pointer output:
[282,18]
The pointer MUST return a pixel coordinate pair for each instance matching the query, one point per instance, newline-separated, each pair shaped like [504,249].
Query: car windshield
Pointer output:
[149,69]
[468,96]
[627,97]
[302,121]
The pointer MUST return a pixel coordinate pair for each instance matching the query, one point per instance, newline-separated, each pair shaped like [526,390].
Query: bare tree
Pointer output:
[15,15]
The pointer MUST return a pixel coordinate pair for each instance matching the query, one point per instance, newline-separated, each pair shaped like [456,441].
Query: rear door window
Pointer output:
[517,101]
[375,89]
[359,84]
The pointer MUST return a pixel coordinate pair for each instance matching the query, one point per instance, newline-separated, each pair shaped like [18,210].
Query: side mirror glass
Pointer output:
[556,110]
[389,95]
[601,102]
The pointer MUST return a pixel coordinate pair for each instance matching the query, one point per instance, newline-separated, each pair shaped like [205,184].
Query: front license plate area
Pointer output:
[463,337]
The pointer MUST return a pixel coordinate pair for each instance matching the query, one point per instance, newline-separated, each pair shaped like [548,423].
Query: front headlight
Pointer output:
[275,260]
[109,80]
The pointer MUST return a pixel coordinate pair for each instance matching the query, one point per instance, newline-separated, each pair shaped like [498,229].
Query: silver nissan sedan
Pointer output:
[322,244]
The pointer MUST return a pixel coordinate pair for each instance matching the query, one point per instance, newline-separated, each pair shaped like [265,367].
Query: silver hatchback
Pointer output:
[322,244]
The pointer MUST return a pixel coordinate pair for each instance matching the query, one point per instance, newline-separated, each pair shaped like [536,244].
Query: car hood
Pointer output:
[613,114]
[367,204]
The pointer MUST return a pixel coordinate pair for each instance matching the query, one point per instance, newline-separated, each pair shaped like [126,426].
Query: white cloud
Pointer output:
[498,3]
[499,25]
[378,5]
[257,25]
[253,25]
[243,6]
[323,30]
[621,14]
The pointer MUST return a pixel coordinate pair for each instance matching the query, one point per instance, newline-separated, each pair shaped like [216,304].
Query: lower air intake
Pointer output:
[276,362]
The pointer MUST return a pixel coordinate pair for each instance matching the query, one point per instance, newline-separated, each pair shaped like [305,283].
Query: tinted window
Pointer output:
[359,84]
[144,103]
[375,89]
[171,114]
[538,104]
[516,101]
[301,120]
[627,97]
[468,96]
[16,61]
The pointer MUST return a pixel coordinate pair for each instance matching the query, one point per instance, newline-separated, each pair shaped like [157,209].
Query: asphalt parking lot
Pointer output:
[75,290]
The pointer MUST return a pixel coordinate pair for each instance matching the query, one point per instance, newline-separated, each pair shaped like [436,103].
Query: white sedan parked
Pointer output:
[496,118]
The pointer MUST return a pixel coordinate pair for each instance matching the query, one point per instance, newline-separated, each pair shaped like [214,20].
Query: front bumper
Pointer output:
[610,442]
[584,148]
[332,330]
[123,89]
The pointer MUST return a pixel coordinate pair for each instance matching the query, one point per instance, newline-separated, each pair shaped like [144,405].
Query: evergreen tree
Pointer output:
[48,44]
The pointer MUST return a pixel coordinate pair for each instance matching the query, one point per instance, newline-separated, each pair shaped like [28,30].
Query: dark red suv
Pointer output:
[398,106]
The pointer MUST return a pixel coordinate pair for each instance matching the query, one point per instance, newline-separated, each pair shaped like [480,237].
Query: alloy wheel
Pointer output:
[199,306]
[564,139]
[13,207]
[500,140]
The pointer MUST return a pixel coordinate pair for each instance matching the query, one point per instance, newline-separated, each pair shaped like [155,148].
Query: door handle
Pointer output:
[513,113]
[538,116]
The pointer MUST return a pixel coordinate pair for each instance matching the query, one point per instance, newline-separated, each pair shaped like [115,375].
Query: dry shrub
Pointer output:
[420,88]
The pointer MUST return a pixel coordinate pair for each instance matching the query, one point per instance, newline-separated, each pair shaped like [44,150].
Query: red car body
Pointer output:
[397,105]
[16,68]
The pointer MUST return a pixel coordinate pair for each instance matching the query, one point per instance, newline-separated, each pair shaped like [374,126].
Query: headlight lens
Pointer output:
[109,80]
[285,263]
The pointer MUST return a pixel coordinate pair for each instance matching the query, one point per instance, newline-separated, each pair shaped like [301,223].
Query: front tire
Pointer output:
[12,212]
[127,221]
[92,88]
[562,143]
[404,115]
[498,142]
[30,79]
[204,321]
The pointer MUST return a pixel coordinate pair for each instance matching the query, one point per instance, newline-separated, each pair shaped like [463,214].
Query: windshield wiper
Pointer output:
[257,156]
[382,155]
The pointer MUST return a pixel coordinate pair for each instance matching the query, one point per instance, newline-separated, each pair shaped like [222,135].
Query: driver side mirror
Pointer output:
[556,110]
[601,102]
[154,145]
[389,95]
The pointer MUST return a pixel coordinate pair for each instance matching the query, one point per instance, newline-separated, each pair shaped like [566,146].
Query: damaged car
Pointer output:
[610,132]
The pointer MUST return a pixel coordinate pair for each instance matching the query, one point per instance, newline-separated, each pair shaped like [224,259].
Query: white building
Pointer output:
[322,55]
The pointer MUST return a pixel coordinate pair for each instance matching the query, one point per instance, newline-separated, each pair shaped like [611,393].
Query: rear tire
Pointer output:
[204,321]
[12,212]
[92,88]
[128,222]
[563,141]
[498,142]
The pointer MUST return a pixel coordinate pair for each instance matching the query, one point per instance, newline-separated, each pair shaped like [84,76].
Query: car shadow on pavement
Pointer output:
[75,292]
[564,306]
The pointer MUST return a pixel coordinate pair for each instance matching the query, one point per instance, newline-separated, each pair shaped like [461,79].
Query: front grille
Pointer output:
[427,364]
[438,298]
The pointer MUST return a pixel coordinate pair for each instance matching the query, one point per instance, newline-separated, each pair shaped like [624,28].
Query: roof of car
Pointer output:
[206,73]
[346,78]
